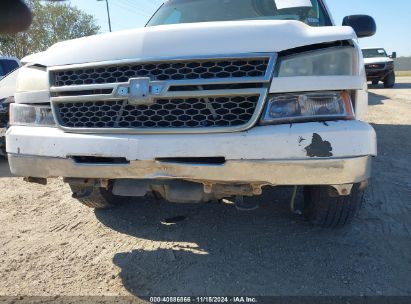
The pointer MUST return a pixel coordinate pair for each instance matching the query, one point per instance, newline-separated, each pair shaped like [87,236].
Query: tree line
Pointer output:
[52,22]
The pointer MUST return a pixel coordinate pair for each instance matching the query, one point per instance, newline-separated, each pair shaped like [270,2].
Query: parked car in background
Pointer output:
[211,100]
[7,89]
[8,65]
[379,66]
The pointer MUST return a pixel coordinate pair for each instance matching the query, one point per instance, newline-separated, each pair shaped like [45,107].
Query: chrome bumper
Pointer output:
[330,171]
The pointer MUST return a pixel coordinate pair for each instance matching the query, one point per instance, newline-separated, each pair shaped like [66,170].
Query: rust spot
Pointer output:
[319,147]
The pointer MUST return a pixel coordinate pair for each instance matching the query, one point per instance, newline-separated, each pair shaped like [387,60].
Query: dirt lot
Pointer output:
[51,245]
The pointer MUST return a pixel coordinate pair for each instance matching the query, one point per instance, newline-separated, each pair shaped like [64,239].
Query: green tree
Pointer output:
[52,22]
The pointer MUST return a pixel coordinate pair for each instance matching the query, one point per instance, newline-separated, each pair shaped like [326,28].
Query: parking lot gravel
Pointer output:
[52,245]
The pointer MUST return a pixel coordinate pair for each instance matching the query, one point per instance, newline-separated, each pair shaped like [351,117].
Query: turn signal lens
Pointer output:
[31,115]
[308,106]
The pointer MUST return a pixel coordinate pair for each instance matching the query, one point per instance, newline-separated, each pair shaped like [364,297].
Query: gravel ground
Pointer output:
[51,245]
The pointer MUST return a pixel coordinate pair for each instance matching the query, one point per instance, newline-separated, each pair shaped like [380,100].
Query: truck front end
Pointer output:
[198,111]
[379,66]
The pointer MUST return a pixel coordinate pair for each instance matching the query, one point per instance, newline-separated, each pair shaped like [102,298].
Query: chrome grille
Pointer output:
[375,66]
[164,71]
[205,112]
[196,95]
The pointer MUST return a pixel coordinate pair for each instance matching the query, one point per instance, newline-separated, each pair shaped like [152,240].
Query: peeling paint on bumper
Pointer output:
[275,155]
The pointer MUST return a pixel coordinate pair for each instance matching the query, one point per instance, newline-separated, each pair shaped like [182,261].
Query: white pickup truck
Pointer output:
[379,66]
[212,99]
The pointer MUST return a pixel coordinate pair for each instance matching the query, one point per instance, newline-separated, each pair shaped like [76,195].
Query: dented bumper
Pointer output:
[306,153]
[259,172]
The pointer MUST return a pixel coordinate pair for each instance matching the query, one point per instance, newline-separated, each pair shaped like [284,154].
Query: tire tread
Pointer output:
[328,211]
[389,81]
[96,198]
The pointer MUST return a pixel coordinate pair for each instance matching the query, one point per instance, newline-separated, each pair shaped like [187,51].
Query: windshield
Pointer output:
[310,12]
[370,53]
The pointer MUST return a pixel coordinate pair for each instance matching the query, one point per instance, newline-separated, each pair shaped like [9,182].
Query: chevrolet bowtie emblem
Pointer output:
[140,91]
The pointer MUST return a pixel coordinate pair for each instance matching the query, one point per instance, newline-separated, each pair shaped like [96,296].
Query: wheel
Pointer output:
[389,81]
[324,207]
[375,82]
[97,198]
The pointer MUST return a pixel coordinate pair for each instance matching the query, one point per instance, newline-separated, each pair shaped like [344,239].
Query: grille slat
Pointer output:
[160,71]
[177,113]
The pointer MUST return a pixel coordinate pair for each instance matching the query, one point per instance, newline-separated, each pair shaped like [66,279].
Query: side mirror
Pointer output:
[363,25]
[394,55]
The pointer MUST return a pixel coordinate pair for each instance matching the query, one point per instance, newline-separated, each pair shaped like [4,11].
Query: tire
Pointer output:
[375,82]
[389,81]
[97,198]
[325,208]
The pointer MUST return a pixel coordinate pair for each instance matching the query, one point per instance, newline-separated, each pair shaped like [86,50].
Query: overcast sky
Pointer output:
[393,18]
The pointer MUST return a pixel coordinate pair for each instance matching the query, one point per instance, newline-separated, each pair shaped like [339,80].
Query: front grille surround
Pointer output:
[222,89]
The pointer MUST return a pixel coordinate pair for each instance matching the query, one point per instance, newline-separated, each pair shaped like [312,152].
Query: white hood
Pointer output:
[191,39]
[377,60]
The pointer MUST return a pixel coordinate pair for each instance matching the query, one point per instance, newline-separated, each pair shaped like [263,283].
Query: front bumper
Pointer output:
[377,74]
[276,155]
[271,172]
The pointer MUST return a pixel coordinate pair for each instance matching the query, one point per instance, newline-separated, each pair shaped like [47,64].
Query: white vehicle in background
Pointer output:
[8,67]
[379,66]
[212,99]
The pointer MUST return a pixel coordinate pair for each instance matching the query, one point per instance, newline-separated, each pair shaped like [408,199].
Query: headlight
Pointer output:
[32,78]
[307,106]
[341,61]
[32,85]
[390,65]
[31,115]
[32,88]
